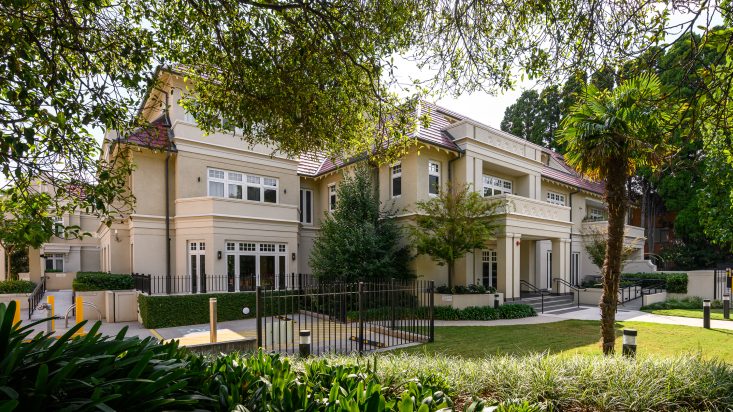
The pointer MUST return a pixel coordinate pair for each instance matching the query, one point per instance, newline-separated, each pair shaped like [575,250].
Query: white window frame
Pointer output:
[58,226]
[243,181]
[396,173]
[56,259]
[238,248]
[332,193]
[494,186]
[556,198]
[489,256]
[306,213]
[435,173]
[596,214]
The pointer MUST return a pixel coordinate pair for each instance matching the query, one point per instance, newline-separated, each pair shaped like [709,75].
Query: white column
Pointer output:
[560,263]
[516,263]
[504,262]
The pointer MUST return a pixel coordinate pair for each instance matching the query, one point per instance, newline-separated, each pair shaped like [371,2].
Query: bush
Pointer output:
[516,311]
[91,281]
[686,303]
[675,282]
[465,290]
[41,372]
[181,310]
[17,286]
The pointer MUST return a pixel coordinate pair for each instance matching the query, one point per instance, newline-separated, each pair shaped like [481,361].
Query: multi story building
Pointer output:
[215,205]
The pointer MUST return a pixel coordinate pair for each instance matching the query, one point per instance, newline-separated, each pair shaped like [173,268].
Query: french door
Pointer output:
[549,269]
[489,268]
[197,266]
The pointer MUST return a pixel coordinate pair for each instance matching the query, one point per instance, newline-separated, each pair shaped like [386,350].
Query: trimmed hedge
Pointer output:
[506,311]
[182,310]
[686,303]
[675,282]
[16,286]
[92,281]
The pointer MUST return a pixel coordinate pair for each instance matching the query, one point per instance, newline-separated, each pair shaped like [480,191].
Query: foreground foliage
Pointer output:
[17,286]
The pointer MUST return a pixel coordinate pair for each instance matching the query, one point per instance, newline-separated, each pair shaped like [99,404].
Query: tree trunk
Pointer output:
[616,198]
[451,269]
[8,261]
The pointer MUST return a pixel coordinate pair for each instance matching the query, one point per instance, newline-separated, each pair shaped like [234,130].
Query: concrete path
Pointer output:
[594,313]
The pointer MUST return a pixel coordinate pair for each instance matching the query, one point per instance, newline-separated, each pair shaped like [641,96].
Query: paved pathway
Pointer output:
[592,313]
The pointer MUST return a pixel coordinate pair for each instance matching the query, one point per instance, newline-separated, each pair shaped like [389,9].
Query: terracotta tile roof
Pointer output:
[154,136]
[435,132]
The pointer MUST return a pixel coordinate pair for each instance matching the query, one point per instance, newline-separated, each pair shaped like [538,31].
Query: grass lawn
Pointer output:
[687,313]
[576,336]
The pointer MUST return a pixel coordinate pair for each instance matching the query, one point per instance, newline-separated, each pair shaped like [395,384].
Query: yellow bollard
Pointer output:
[80,312]
[16,316]
[51,300]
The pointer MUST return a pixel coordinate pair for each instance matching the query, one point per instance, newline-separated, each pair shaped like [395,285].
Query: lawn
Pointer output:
[576,337]
[716,314]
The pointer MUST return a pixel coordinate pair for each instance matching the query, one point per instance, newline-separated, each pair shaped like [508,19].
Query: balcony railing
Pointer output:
[631,231]
[524,206]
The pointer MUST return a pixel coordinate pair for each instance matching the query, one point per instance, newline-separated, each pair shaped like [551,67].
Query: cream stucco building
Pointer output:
[213,205]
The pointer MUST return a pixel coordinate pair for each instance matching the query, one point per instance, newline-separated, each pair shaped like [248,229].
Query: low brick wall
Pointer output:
[239,345]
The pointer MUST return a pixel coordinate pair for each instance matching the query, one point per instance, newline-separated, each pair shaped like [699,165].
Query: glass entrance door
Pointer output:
[197,266]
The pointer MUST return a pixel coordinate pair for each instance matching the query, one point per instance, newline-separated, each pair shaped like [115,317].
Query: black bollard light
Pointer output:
[305,343]
[706,313]
[726,306]
[629,347]
[496,301]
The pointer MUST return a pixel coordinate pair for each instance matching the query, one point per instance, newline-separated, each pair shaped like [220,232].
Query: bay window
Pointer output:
[235,185]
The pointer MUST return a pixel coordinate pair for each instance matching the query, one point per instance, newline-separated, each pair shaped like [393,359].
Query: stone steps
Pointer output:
[551,302]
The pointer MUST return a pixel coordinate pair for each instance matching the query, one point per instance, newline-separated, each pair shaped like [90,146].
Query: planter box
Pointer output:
[654,298]
[22,298]
[114,305]
[468,300]
[592,296]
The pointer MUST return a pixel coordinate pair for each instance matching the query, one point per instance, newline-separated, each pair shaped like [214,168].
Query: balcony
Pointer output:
[594,225]
[524,207]
[235,208]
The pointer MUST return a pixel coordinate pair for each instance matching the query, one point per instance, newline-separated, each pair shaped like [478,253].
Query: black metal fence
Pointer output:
[346,317]
[721,283]
[639,288]
[35,298]
[161,285]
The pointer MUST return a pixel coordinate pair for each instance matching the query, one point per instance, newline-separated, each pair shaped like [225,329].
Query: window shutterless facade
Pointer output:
[332,197]
[433,178]
[489,268]
[306,206]
[397,180]
[556,198]
[236,185]
[496,186]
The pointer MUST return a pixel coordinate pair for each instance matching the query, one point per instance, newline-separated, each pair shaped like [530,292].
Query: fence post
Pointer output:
[392,303]
[361,318]
[432,311]
[258,310]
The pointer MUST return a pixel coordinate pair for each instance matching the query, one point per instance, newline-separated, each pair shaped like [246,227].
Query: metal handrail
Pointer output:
[571,286]
[535,289]
[36,296]
[66,316]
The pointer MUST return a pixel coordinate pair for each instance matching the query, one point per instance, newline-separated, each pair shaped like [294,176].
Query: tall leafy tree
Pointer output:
[453,223]
[360,239]
[609,135]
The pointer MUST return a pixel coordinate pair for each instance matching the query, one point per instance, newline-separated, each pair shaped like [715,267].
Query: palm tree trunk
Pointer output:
[616,198]
[8,261]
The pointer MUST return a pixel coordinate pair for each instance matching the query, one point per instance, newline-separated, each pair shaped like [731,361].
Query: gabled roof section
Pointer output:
[440,120]
[153,136]
[569,175]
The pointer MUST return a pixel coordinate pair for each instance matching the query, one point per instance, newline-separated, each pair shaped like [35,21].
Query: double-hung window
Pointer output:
[332,197]
[306,206]
[556,198]
[58,226]
[433,178]
[397,180]
[496,186]
[235,185]
[595,214]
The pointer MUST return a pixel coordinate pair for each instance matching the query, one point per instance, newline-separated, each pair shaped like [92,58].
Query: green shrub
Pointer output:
[16,286]
[465,290]
[181,310]
[94,372]
[91,281]
[674,282]
[516,311]
[693,302]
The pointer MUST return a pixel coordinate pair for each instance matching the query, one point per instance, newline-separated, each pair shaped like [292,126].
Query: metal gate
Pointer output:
[346,317]
[721,283]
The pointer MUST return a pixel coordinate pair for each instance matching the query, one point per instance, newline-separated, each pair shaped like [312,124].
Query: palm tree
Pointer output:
[608,135]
